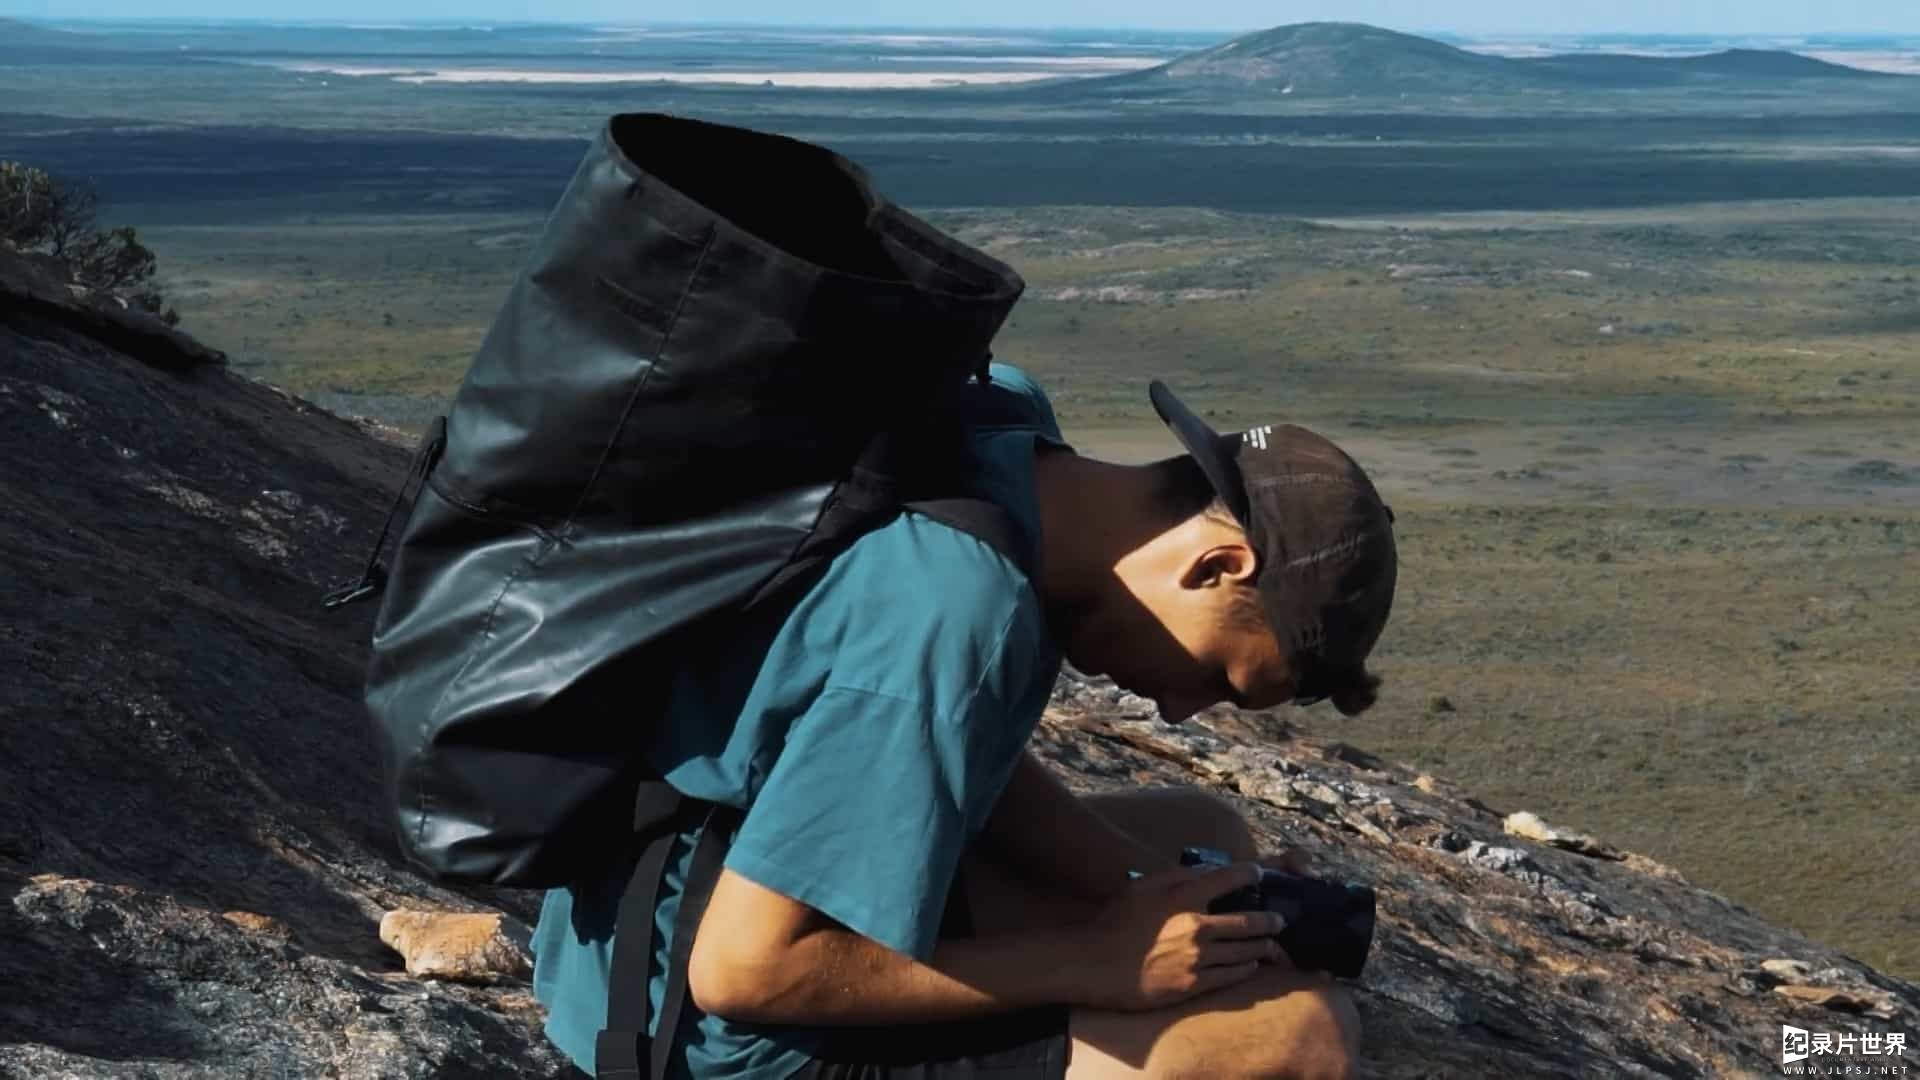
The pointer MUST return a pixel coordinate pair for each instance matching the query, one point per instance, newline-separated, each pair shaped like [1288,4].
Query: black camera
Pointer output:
[1329,923]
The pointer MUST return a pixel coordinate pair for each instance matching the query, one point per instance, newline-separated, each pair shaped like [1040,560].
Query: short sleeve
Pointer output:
[882,781]
[1028,392]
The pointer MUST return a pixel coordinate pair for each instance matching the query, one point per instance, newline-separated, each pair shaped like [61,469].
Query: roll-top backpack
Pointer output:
[726,357]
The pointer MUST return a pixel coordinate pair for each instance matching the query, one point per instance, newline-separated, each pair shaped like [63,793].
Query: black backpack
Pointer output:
[726,357]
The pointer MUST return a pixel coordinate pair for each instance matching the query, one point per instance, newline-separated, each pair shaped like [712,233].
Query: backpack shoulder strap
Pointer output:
[634,1045]
[980,518]
[621,1050]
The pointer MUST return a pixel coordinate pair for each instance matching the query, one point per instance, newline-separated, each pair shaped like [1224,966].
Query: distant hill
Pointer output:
[1334,59]
[17,34]
[1339,58]
[26,43]
[1752,65]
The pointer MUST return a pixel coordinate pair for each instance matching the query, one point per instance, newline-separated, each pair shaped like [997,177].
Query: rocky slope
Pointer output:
[195,880]
[193,868]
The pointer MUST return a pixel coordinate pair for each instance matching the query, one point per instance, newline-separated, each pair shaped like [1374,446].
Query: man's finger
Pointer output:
[1212,884]
[1213,978]
[1280,960]
[1239,925]
[1235,953]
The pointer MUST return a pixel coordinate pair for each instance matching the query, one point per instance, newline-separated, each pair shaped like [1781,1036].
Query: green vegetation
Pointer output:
[367,315]
[41,215]
[1727,690]
[1373,328]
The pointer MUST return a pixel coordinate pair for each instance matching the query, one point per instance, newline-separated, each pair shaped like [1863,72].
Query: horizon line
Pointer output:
[973,28]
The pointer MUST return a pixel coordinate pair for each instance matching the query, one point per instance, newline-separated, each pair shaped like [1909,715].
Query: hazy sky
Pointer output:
[1462,16]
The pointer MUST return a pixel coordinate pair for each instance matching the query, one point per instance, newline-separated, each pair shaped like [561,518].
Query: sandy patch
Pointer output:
[1496,374]
[897,41]
[1085,63]
[844,80]
[1898,63]
[1008,239]
[1136,294]
[1404,271]
[1126,246]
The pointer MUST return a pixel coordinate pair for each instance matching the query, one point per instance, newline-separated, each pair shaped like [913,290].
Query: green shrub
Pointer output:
[43,215]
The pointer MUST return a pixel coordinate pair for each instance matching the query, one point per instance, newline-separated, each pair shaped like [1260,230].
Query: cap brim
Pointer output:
[1212,451]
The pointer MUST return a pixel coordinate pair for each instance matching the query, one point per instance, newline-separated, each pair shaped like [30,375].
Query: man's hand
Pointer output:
[1155,945]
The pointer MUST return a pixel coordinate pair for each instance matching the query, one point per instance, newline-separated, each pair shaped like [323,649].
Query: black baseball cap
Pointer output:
[1323,536]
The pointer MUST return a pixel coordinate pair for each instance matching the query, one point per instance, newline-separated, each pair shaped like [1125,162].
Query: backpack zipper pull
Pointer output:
[374,577]
[983,367]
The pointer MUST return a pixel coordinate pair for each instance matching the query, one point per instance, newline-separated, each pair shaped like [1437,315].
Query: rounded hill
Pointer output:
[1328,58]
[1341,59]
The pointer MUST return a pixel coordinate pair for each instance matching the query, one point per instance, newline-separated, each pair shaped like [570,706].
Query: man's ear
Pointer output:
[1231,563]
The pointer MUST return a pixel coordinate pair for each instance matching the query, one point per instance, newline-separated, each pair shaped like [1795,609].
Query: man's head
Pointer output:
[1263,575]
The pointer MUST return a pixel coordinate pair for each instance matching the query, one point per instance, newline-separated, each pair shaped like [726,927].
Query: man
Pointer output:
[912,894]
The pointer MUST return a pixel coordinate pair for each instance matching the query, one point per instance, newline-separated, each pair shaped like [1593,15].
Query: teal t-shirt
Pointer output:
[868,728]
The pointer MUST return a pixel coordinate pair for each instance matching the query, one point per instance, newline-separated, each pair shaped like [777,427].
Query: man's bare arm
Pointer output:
[762,957]
[1044,832]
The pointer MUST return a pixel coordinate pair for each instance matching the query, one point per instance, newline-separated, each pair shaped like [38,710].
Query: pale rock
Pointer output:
[1653,868]
[478,948]
[1500,860]
[260,925]
[1789,970]
[1860,1000]
[1527,826]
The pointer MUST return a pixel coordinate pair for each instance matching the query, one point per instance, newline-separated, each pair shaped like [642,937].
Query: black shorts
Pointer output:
[1030,1045]
[1016,1046]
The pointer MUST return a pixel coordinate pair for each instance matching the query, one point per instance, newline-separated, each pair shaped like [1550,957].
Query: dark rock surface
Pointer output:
[193,867]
